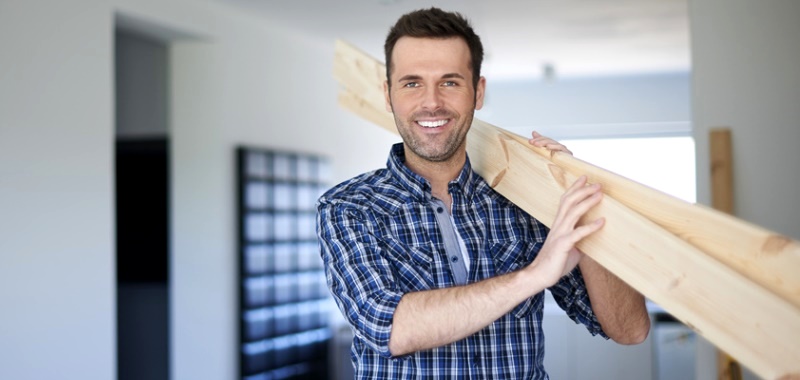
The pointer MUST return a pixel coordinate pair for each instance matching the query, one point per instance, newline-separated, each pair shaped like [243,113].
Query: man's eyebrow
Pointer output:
[409,77]
[415,77]
[453,75]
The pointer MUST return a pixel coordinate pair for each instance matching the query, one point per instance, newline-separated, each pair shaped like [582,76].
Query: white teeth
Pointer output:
[432,124]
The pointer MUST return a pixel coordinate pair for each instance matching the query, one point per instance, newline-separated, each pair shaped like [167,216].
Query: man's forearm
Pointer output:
[433,318]
[619,308]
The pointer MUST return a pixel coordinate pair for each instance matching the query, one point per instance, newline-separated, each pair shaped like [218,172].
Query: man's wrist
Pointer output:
[530,279]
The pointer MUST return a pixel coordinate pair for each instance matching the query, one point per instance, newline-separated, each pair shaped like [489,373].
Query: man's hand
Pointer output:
[546,142]
[559,255]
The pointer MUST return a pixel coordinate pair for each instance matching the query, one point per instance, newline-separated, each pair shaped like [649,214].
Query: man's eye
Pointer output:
[411,84]
[449,84]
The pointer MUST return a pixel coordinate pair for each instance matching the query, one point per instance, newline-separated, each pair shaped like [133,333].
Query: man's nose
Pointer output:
[432,98]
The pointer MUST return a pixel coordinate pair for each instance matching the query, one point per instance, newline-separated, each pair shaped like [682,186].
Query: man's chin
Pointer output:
[435,156]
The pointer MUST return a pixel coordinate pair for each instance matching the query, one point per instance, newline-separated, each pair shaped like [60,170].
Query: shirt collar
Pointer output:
[467,181]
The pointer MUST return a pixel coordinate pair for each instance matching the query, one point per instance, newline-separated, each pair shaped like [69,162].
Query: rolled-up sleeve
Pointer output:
[360,279]
[571,295]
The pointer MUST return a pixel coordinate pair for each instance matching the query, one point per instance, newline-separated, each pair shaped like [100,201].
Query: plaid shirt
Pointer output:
[379,240]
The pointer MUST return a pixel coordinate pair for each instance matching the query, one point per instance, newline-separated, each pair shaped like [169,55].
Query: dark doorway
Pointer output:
[142,208]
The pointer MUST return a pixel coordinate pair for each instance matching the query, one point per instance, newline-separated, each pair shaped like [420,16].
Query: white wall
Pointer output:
[662,97]
[746,77]
[745,56]
[56,204]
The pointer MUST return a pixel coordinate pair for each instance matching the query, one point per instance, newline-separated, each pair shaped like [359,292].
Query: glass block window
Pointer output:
[284,302]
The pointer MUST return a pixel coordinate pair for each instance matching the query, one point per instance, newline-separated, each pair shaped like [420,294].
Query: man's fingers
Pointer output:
[548,143]
[577,184]
[582,231]
[576,202]
[574,214]
[569,198]
[539,140]
[558,147]
[578,192]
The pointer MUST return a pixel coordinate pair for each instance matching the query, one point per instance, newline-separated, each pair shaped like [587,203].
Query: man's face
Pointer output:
[432,96]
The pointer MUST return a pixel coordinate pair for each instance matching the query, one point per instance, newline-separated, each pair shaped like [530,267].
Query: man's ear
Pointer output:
[386,96]
[479,93]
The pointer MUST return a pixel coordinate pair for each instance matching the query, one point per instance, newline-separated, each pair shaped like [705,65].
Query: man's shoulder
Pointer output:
[358,191]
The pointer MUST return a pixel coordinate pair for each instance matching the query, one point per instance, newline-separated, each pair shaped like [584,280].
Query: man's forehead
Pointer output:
[429,43]
[431,54]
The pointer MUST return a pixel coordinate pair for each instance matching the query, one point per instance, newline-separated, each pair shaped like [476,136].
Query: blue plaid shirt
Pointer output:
[379,240]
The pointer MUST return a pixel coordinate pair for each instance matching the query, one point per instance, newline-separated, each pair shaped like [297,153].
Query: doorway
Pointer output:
[142,206]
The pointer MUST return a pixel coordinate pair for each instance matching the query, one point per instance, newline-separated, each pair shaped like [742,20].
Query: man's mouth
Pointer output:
[432,123]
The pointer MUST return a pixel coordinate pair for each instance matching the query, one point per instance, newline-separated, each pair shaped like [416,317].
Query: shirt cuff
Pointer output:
[375,323]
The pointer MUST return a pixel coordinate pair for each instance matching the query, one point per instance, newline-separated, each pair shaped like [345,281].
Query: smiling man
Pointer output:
[439,275]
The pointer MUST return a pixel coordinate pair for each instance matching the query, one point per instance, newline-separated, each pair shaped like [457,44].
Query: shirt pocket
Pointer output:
[413,266]
[510,255]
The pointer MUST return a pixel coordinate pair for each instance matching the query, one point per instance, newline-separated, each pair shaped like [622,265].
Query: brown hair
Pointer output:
[435,23]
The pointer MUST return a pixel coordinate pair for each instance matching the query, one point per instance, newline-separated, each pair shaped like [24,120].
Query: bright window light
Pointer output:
[663,163]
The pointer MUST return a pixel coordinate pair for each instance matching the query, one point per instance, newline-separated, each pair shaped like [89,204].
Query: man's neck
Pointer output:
[438,174]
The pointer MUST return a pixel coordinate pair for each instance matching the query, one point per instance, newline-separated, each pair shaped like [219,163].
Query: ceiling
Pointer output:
[522,38]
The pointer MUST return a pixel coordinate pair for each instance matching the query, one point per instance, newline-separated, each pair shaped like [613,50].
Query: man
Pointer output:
[439,275]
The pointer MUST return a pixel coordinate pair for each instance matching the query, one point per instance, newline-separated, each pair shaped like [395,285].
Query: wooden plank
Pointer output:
[358,106]
[362,76]
[716,301]
[767,258]
[722,199]
[721,169]
[748,320]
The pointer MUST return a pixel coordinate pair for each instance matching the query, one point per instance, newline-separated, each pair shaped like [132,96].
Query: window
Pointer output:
[284,300]
[663,163]
[660,154]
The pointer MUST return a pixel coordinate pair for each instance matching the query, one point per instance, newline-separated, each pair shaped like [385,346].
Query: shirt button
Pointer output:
[439,210]
[454,259]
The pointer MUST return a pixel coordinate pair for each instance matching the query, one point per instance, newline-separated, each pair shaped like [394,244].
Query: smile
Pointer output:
[433,123]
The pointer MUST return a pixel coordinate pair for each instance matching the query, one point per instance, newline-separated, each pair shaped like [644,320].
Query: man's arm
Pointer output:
[433,318]
[619,308]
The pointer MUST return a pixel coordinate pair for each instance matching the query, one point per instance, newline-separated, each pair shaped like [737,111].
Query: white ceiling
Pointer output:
[575,37]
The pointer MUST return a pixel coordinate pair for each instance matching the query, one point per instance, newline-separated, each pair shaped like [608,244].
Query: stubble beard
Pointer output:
[430,150]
